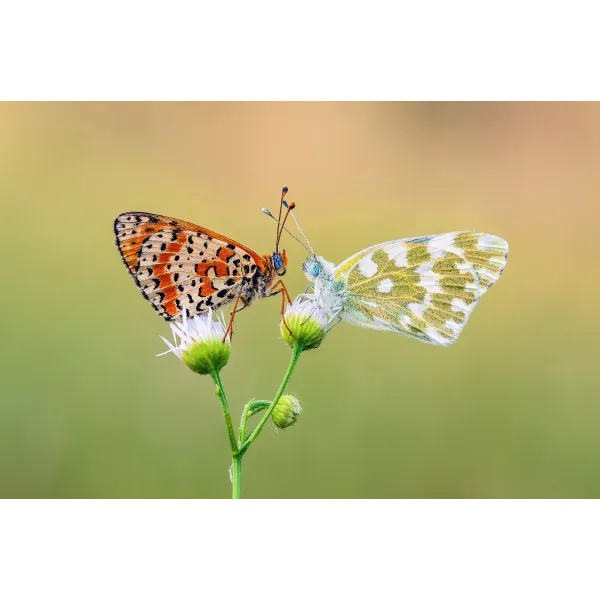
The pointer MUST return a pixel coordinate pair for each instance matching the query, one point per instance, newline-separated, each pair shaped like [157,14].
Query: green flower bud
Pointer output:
[305,324]
[286,412]
[208,356]
[202,344]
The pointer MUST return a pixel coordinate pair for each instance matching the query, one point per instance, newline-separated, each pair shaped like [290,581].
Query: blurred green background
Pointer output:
[511,410]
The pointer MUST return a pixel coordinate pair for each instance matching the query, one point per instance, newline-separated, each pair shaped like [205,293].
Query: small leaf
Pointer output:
[257,406]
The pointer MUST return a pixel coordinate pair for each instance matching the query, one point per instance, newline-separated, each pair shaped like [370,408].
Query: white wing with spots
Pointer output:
[425,287]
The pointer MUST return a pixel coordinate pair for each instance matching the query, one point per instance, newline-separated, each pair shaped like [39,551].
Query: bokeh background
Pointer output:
[511,410]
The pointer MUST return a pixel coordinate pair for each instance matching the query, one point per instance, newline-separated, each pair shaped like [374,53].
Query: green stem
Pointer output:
[237,476]
[293,362]
[251,409]
[221,392]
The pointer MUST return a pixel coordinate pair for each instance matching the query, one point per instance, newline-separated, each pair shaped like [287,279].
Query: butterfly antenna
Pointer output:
[289,207]
[302,232]
[268,213]
[284,191]
[283,203]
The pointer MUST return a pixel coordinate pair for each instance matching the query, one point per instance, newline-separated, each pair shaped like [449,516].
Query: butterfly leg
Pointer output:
[282,290]
[306,295]
[338,319]
[284,296]
[229,329]
[315,299]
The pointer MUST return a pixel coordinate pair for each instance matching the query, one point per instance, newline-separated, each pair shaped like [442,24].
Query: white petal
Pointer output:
[172,348]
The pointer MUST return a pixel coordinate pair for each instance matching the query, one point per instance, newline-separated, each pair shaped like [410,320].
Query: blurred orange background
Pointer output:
[511,410]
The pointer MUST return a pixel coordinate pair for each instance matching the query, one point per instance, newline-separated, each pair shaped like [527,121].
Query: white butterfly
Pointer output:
[424,287]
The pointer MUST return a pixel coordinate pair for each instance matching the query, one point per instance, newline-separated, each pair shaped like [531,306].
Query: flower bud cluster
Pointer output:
[304,324]
[200,342]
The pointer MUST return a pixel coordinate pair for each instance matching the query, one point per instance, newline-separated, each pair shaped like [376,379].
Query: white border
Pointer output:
[131,50]
[299,549]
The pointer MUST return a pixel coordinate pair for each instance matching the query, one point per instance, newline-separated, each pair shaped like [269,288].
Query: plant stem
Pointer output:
[237,476]
[251,409]
[221,392]
[293,362]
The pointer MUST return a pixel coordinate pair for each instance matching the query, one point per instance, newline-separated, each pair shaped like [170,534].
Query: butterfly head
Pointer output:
[279,261]
[316,267]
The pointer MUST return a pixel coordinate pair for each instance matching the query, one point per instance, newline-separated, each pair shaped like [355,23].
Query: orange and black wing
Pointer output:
[179,266]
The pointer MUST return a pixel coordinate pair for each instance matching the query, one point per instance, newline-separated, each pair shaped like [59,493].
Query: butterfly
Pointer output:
[183,268]
[424,287]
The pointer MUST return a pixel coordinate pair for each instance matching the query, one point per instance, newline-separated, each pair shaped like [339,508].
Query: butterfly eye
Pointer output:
[315,270]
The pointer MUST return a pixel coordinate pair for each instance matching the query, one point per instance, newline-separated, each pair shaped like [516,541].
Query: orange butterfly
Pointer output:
[181,267]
